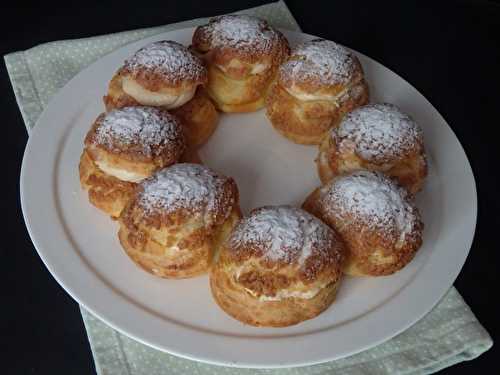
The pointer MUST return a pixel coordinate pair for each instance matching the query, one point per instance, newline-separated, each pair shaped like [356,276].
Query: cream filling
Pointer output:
[120,173]
[304,96]
[238,271]
[283,294]
[152,98]
[256,69]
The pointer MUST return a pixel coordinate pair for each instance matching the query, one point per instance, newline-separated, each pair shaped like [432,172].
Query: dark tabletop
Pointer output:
[449,52]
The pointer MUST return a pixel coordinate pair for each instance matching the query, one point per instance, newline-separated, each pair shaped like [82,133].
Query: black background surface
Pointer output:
[448,51]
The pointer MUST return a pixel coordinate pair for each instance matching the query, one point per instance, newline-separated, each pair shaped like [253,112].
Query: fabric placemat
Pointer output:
[449,334]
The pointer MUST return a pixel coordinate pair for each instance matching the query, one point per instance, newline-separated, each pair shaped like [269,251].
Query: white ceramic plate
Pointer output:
[78,244]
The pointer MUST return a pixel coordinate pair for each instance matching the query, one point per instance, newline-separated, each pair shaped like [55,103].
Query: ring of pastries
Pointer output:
[123,147]
[176,219]
[242,55]
[377,219]
[278,267]
[166,74]
[375,137]
[318,83]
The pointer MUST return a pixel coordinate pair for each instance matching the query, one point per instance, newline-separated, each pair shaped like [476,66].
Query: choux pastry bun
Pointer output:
[377,219]
[318,83]
[278,267]
[176,219]
[376,137]
[168,75]
[242,54]
[123,147]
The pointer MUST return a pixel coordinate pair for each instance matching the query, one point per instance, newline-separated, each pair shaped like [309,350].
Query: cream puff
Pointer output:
[377,219]
[123,147]
[242,54]
[318,83]
[176,219]
[377,137]
[278,267]
[166,74]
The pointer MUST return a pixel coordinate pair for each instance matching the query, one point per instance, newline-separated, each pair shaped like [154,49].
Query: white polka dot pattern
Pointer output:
[38,73]
[447,335]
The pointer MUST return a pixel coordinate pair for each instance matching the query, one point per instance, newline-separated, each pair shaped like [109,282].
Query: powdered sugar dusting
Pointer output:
[169,58]
[379,132]
[149,130]
[285,233]
[373,200]
[241,31]
[321,60]
[182,186]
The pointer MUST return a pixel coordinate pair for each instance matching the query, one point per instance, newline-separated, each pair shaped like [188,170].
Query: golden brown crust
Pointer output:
[173,251]
[308,122]
[130,151]
[281,264]
[115,147]
[325,161]
[253,42]
[277,236]
[106,192]
[240,72]
[262,277]
[198,117]
[237,302]
[312,203]
[372,251]
[317,84]
[193,190]
[164,65]
[410,171]
[173,239]
[116,97]
[191,156]
[405,159]
[320,67]
[237,95]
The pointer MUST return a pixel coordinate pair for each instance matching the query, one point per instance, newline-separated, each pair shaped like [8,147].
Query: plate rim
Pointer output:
[117,325]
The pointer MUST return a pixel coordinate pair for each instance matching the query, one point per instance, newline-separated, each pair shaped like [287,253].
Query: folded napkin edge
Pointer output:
[18,69]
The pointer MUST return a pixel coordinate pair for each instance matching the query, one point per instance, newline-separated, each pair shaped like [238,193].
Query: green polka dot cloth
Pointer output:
[449,334]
